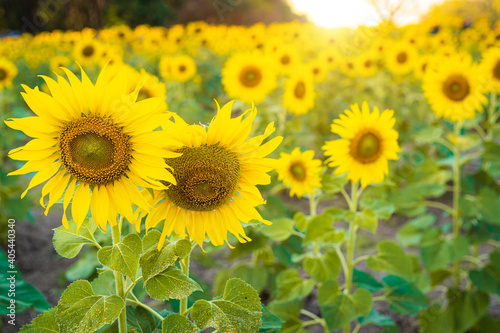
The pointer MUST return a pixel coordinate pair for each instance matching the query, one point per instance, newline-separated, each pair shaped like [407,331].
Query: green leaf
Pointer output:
[104,284]
[491,152]
[333,183]
[340,309]
[151,239]
[84,267]
[124,256]
[170,283]
[429,134]
[141,320]
[488,278]
[255,276]
[404,297]
[323,268]
[465,308]
[270,322]
[366,280]
[411,233]
[381,208]
[292,286]
[320,229]
[327,292]
[437,252]
[286,310]
[182,248]
[300,221]
[176,323]
[81,311]
[489,205]
[368,220]
[68,243]
[391,259]
[238,311]
[292,326]
[43,323]
[375,318]
[280,230]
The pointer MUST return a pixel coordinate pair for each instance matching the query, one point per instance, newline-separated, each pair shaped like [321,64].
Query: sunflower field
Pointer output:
[276,177]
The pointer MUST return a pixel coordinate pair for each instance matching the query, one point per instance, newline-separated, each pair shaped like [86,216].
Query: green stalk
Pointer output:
[185,271]
[122,319]
[457,220]
[313,204]
[491,116]
[350,245]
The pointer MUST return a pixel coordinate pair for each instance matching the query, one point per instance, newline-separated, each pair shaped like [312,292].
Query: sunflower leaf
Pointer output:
[68,243]
[391,259]
[176,323]
[80,310]
[124,256]
[43,323]
[237,311]
[170,283]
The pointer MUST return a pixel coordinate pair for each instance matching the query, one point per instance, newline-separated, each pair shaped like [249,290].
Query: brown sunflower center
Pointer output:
[298,171]
[207,177]
[250,76]
[88,51]
[316,71]
[182,68]
[366,146]
[402,57]
[456,88]
[496,71]
[3,74]
[368,63]
[94,150]
[285,60]
[300,90]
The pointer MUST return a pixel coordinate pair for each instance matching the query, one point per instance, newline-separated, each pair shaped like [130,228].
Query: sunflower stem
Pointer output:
[185,271]
[350,244]
[492,107]
[122,319]
[313,204]
[457,221]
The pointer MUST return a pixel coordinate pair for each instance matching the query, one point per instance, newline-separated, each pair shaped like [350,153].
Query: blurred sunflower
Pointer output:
[300,171]
[367,142]
[8,71]
[298,95]
[57,62]
[182,68]
[366,64]
[87,52]
[453,89]
[92,144]
[249,77]
[216,175]
[287,59]
[400,57]
[319,69]
[490,69]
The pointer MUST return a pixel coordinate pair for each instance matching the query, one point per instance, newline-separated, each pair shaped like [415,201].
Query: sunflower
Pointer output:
[57,62]
[490,69]
[400,58]
[453,89]
[319,69]
[249,77]
[8,71]
[298,95]
[87,52]
[287,59]
[367,141]
[182,68]
[92,144]
[216,175]
[366,64]
[300,171]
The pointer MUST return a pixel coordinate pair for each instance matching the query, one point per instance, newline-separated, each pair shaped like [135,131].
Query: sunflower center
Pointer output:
[182,68]
[368,63]
[285,60]
[496,71]
[3,74]
[300,90]
[298,171]
[207,177]
[94,150]
[456,88]
[88,51]
[402,57]
[366,146]
[250,76]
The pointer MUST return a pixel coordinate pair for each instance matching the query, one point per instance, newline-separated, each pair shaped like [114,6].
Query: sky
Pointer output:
[352,13]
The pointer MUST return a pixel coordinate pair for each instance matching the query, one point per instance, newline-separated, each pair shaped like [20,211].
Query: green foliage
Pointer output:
[123,256]
[487,279]
[142,321]
[391,259]
[292,286]
[280,230]
[43,323]
[80,310]
[238,310]
[170,283]
[403,296]
[437,252]
[175,323]
[322,268]
[69,242]
[270,322]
